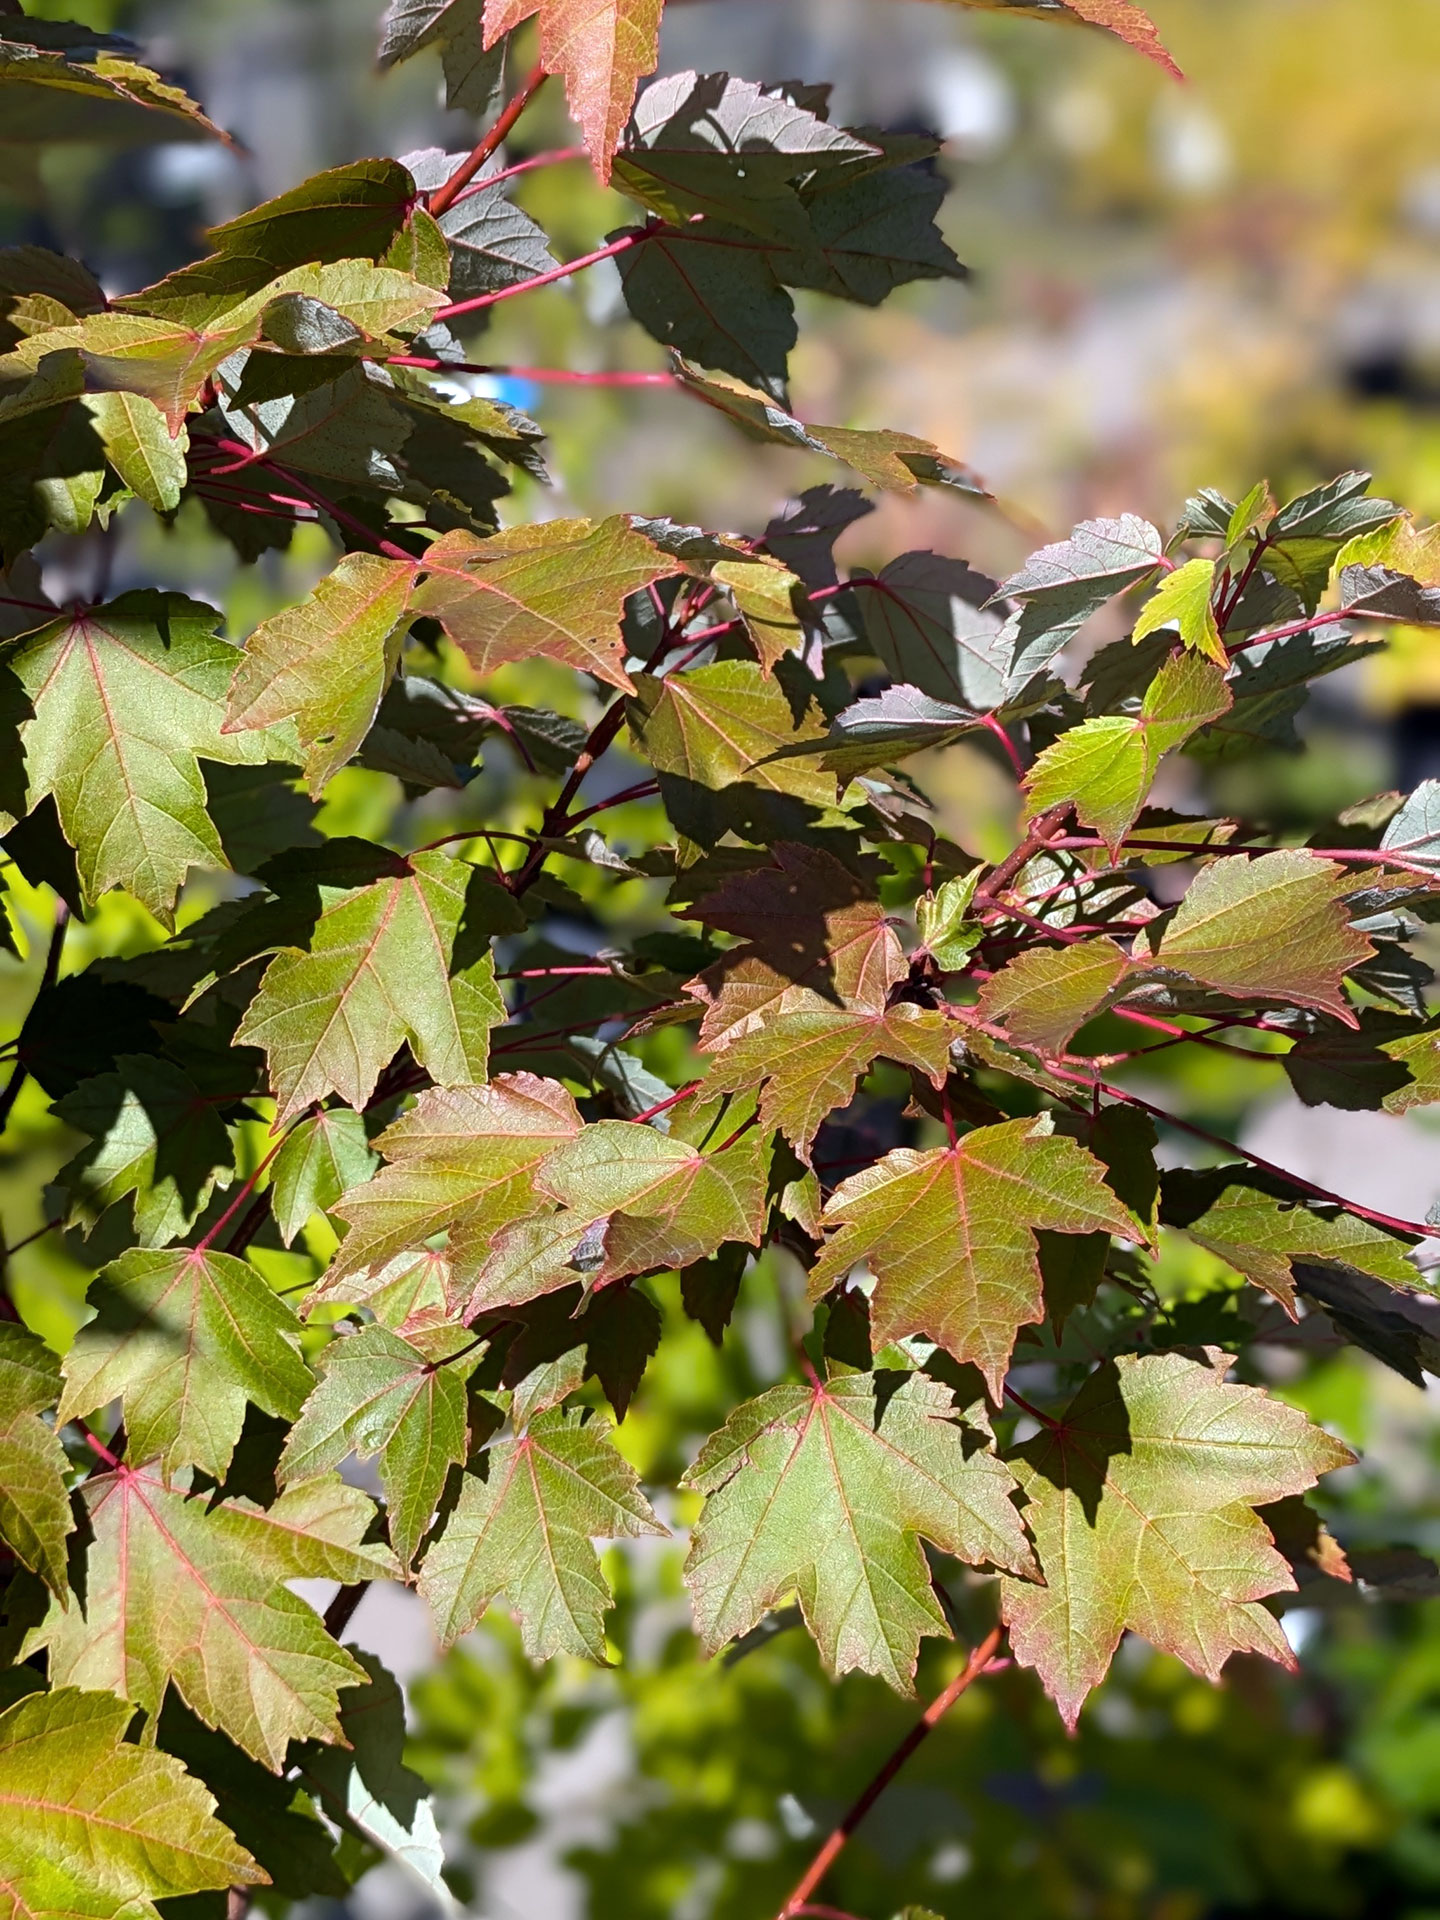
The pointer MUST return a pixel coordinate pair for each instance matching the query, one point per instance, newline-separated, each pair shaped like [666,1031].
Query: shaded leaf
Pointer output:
[155,1135]
[1061,586]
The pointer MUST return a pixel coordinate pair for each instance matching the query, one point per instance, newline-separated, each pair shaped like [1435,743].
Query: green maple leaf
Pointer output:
[321,1158]
[184,1339]
[376,973]
[1185,600]
[1259,1226]
[666,1202]
[1107,765]
[462,1162]
[949,1234]
[154,1135]
[127,699]
[196,1597]
[1141,1503]
[139,445]
[713,735]
[378,1395]
[811,1061]
[556,589]
[1042,996]
[525,1529]
[326,663]
[1419,1055]
[825,1492]
[96,1828]
[1273,927]
[35,1515]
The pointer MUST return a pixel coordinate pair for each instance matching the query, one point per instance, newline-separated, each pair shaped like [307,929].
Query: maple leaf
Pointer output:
[525,1529]
[1063,584]
[771,603]
[666,1202]
[154,1135]
[1107,765]
[321,1158]
[811,1061]
[556,589]
[602,51]
[184,1340]
[35,1515]
[139,445]
[326,663]
[462,1162]
[196,1597]
[378,1395]
[825,1492]
[1272,927]
[96,1826]
[1184,600]
[127,699]
[1259,1226]
[1141,1503]
[1123,18]
[949,1234]
[332,1017]
[716,737]
[1044,995]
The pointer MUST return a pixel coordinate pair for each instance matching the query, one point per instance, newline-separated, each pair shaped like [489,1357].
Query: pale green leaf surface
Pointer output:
[94,1828]
[1042,996]
[184,1340]
[461,1162]
[326,662]
[1273,926]
[1141,1504]
[949,1234]
[378,1395]
[322,1157]
[825,1492]
[525,1529]
[139,445]
[127,698]
[35,1515]
[376,974]
[1184,600]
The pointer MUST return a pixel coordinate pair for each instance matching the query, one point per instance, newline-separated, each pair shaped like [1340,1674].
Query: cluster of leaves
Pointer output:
[498,1133]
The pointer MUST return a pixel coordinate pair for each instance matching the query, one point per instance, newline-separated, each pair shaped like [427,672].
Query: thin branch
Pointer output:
[480,300]
[799,1901]
[551,158]
[244,1194]
[341,1610]
[446,195]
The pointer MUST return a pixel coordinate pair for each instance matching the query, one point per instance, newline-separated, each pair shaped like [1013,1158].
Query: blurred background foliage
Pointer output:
[1171,287]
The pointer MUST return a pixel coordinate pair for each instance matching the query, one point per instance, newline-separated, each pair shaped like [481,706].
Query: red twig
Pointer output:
[663,1106]
[552,158]
[543,376]
[241,1197]
[446,195]
[798,1903]
[622,245]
